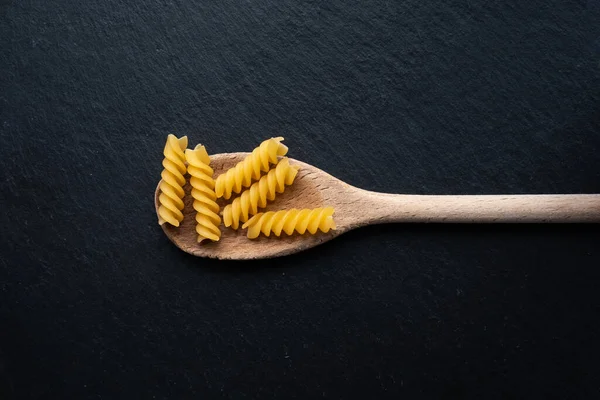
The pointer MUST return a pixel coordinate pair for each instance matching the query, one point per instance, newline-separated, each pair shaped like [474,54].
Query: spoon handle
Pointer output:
[560,208]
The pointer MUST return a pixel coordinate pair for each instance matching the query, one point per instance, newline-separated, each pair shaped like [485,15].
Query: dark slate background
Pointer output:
[428,97]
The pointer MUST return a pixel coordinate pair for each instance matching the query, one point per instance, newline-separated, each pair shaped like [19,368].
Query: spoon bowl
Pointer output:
[356,207]
[311,189]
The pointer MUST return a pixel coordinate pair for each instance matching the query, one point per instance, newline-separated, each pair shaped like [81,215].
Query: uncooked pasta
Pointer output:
[259,193]
[173,179]
[203,193]
[249,169]
[288,221]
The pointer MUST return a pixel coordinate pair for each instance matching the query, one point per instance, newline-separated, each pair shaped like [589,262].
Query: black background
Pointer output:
[426,97]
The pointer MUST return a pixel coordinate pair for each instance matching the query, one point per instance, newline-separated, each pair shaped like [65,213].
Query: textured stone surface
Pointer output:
[436,97]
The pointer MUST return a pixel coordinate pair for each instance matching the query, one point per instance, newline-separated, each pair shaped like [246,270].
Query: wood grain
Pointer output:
[357,207]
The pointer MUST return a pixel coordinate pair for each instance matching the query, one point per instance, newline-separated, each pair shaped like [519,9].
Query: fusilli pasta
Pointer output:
[258,194]
[203,193]
[173,179]
[250,168]
[289,221]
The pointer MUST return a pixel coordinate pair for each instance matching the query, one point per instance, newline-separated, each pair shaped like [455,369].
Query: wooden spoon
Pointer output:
[356,207]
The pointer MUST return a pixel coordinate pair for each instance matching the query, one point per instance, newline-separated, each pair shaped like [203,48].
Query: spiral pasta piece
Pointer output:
[289,221]
[259,193]
[203,193]
[250,168]
[173,179]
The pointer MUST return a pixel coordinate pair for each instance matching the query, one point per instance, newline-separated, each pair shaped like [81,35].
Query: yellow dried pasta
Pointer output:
[203,193]
[289,221]
[250,168]
[258,194]
[173,179]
